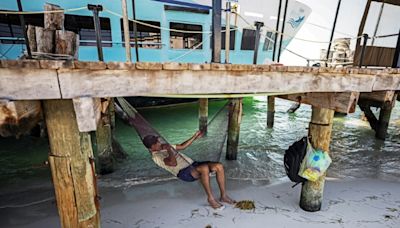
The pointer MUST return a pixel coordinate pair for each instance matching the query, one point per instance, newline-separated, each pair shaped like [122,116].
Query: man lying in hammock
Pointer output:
[186,169]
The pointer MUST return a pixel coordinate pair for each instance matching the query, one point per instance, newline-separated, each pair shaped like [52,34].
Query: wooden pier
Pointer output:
[46,79]
[73,95]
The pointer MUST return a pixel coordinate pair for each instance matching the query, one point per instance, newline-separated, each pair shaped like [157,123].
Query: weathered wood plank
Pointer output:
[53,21]
[18,64]
[242,67]
[55,64]
[339,102]
[67,43]
[196,66]
[386,81]
[220,66]
[44,40]
[121,66]
[28,84]
[148,66]
[88,111]
[379,96]
[75,83]
[19,81]
[263,67]
[175,66]
[31,31]
[90,65]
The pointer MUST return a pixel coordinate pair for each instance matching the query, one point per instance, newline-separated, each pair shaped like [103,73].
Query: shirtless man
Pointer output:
[186,169]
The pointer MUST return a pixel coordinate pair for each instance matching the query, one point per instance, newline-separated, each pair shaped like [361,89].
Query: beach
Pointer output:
[347,203]
[362,189]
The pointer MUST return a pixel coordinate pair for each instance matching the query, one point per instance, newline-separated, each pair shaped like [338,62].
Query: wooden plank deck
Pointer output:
[45,79]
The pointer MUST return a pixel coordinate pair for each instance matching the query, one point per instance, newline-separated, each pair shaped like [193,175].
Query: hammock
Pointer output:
[216,134]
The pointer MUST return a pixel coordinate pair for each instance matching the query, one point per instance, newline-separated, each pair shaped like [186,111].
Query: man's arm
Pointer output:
[189,142]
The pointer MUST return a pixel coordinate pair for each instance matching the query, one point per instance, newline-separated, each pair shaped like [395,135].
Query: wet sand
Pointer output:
[347,203]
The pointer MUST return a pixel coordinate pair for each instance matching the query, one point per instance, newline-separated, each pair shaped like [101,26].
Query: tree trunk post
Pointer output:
[72,166]
[271,112]
[203,115]
[235,118]
[320,136]
[383,122]
[104,152]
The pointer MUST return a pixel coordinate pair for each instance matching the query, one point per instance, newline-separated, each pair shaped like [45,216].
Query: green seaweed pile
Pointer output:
[245,205]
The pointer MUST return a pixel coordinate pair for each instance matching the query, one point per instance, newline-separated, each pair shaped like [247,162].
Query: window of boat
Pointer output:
[84,26]
[148,37]
[10,27]
[231,40]
[269,41]
[248,39]
[179,40]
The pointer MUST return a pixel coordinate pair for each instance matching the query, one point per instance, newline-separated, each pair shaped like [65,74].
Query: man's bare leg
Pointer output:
[219,169]
[204,172]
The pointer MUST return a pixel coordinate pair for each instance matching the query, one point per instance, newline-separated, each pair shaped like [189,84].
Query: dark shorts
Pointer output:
[185,173]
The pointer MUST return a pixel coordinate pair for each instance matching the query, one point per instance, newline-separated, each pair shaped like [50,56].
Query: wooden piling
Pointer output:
[104,152]
[71,165]
[385,100]
[203,114]
[271,112]
[383,122]
[235,118]
[320,135]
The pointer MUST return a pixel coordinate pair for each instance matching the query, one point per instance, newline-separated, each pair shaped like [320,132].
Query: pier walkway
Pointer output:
[46,79]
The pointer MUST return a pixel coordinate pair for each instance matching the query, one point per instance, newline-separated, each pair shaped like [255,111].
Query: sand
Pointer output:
[347,203]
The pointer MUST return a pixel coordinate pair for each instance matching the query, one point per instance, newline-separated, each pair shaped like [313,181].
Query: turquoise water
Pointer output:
[354,149]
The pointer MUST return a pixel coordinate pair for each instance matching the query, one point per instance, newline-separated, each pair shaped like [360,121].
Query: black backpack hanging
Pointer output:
[293,157]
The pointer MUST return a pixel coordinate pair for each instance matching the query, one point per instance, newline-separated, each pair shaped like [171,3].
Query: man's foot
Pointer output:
[214,204]
[227,199]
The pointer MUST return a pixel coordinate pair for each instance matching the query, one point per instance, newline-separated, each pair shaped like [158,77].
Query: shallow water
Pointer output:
[354,149]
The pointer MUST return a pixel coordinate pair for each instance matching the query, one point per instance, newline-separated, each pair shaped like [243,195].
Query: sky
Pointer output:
[323,14]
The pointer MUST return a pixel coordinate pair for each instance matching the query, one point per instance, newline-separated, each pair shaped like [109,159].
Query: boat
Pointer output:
[156,41]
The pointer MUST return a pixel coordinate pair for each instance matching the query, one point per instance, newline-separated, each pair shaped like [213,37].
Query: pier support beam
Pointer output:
[235,118]
[104,152]
[72,166]
[385,100]
[383,122]
[271,112]
[344,102]
[203,115]
[320,135]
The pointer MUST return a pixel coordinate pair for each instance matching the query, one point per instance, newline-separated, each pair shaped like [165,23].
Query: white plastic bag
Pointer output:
[314,164]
